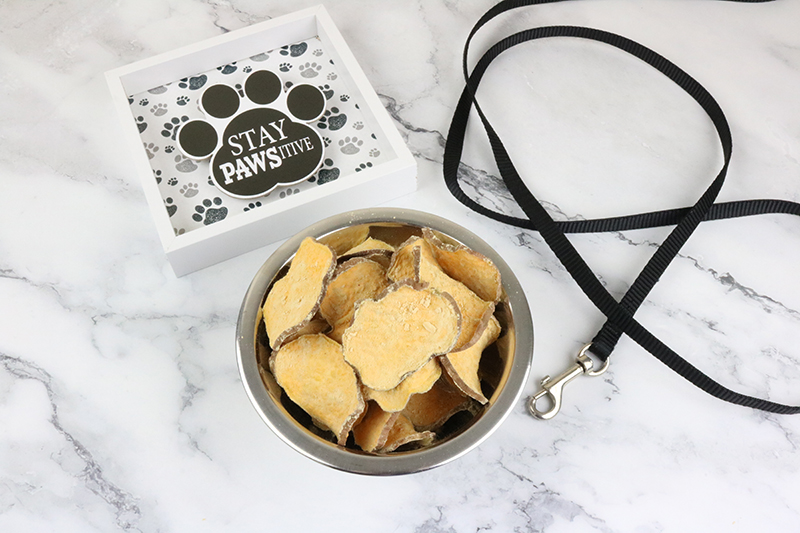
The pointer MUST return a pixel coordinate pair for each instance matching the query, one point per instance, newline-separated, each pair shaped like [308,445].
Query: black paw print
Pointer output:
[327,173]
[285,67]
[207,213]
[228,69]
[252,206]
[143,102]
[171,207]
[193,83]
[295,50]
[171,127]
[182,100]
[250,146]
[363,166]
[327,91]
[332,120]
[172,181]
[310,70]
[248,69]
[344,98]
[141,124]
[169,149]
[157,176]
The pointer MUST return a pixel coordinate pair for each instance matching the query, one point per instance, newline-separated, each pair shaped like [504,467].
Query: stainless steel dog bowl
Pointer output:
[510,361]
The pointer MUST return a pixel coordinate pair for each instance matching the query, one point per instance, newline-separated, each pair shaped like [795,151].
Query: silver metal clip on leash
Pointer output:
[554,388]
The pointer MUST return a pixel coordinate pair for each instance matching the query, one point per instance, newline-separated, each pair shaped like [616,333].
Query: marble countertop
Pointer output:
[121,405]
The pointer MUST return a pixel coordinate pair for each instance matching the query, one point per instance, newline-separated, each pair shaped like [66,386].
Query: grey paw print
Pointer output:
[184,164]
[317,52]
[358,125]
[189,190]
[289,192]
[310,70]
[350,145]
[374,152]
[285,67]
[159,109]
[151,150]
[332,76]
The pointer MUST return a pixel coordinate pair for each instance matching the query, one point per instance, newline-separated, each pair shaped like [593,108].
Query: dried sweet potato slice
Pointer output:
[353,280]
[430,410]
[313,373]
[462,366]
[294,299]
[372,431]
[396,399]
[344,239]
[398,333]
[370,244]
[403,432]
[415,260]
[471,268]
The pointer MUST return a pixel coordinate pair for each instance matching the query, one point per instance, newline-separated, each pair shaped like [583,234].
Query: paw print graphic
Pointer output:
[310,70]
[210,211]
[350,145]
[258,141]
[332,120]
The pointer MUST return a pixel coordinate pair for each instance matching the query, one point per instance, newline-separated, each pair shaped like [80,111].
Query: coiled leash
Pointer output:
[619,314]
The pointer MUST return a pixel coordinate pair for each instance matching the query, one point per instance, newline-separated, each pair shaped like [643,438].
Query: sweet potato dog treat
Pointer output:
[369,245]
[371,433]
[313,373]
[353,280]
[471,268]
[397,334]
[403,432]
[420,381]
[429,411]
[294,299]
[415,260]
[462,366]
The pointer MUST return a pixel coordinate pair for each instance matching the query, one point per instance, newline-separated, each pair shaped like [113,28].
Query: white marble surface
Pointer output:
[121,405]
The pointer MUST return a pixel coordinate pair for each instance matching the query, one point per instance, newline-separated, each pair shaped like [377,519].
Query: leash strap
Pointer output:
[619,315]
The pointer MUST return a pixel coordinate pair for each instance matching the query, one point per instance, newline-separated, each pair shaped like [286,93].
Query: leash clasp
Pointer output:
[554,388]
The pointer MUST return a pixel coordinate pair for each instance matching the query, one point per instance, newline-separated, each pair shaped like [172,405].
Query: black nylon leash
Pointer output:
[619,315]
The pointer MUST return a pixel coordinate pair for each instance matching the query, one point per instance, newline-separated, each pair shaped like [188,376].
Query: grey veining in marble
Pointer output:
[121,406]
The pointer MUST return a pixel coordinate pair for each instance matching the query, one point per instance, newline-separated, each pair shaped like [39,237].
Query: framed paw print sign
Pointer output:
[259,139]
[244,139]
